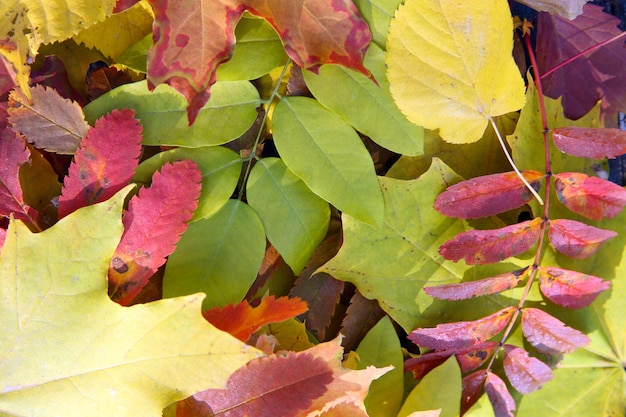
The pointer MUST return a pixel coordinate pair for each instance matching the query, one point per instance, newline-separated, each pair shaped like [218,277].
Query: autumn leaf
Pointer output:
[100,359]
[485,286]
[502,401]
[576,239]
[588,142]
[525,373]
[591,197]
[550,335]
[568,9]
[570,289]
[469,358]
[13,154]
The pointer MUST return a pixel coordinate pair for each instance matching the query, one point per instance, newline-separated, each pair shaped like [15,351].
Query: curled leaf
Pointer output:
[526,374]
[465,290]
[570,289]
[575,239]
[592,197]
[550,335]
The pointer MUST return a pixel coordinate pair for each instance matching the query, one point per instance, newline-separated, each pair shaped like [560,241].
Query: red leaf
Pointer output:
[13,154]
[525,373]
[152,226]
[104,163]
[591,197]
[569,288]
[193,37]
[491,246]
[7,76]
[485,286]
[472,389]
[53,74]
[587,142]
[469,358]
[548,334]
[463,333]
[241,320]
[596,75]
[501,400]
[487,195]
[575,239]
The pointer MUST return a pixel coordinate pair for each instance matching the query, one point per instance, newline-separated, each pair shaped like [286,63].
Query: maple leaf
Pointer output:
[570,289]
[592,197]
[575,239]
[193,37]
[67,349]
[153,224]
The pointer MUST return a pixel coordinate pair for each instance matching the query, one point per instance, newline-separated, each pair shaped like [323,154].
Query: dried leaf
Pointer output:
[485,286]
[103,80]
[362,314]
[568,9]
[491,246]
[13,154]
[463,333]
[575,239]
[588,142]
[525,373]
[502,401]
[487,195]
[570,289]
[592,197]
[548,334]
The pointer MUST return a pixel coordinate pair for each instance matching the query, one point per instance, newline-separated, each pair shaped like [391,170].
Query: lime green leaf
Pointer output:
[295,219]
[481,408]
[136,55]
[323,150]
[228,114]
[67,349]
[450,67]
[219,255]
[378,14]
[367,106]
[220,169]
[439,389]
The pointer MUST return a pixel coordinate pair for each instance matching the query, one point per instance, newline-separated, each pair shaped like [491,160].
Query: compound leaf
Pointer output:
[550,335]
[591,197]
[570,289]
[575,239]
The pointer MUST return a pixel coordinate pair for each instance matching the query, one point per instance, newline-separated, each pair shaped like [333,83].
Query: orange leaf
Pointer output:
[485,286]
[525,373]
[588,142]
[575,239]
[550,335]
[592,197]
[570,289]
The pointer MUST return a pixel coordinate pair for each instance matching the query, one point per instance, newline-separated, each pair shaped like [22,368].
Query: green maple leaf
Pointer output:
[66,349]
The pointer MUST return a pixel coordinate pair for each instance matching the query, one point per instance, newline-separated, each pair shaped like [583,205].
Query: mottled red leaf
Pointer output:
[550,335]
[526,374]
[104,163]
[596,75]
[3,237]
[575,239]
[53,74]
[13,154]
[487,195]
[591,197]
[485,286]
[491,246]
[241,320]
[570,289]
[153,224]
[469,358]
[587,142]
[463,333]
[500,397]
[472,389]
[193,37]
[48,121]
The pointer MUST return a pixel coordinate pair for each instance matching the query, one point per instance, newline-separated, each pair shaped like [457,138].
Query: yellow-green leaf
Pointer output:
[450,65]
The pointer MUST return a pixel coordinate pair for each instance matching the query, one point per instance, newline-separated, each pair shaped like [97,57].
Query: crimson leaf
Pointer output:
[592,197]
[485,286]
[576,239]
[570,289]
[548,334]
[13,154]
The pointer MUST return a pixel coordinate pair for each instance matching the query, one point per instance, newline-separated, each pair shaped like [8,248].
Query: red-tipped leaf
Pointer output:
[487,195]
[485,286]
[479,247]
[463,333]
[156,218]
[570,289]
[13,154]
[500,397]
[104,163]
[550,335]
[591,197]
[575,239]
[525,373]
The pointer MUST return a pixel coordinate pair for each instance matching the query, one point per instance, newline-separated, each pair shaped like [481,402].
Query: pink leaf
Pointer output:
[463,333]
[501,399]
[152,226]
[575,239]
[491,246]
[485,286]
[569,288]
[587,142]
[104,163]
[525,373]
[592,197]
[13,154]
[487,195]
[548,334]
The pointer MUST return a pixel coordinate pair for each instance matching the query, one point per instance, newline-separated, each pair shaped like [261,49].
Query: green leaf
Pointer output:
[220,169]
[219,255]
[367,106]
[135,56]
[228,114]
[378,15]
[439,389]
[323,150]
[481,408]
[67,349]
[380,347]
[295,219]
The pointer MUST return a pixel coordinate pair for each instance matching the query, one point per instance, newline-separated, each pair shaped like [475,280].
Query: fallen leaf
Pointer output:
[13,154]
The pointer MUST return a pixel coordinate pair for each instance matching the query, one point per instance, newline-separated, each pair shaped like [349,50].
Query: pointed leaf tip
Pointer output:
[592,197]
[575,239]
[465,290]
[550,335]
[570,289]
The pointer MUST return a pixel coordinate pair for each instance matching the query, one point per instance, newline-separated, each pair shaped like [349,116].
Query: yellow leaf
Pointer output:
[450,65]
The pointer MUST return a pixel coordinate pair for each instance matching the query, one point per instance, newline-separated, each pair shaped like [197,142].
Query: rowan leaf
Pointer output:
[103,163]
[588,142]
[155,219]
[576,239]
[193,37]
[591,197]
[487,195]
[13,154]
[501,400]
[485,286]
[48,121]
[491,246]
[469,359]
[450,68]
[550,335]
[570,289]
[525,373]
[242,319]
[464,333]
[472,389]
[100,359]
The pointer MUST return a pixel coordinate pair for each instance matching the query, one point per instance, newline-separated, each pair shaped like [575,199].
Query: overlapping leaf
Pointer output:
[587,142]
[591,197]
[469,359]
[568,9]
[502,401]
[570,289]
[525,373]
[485,286]
[550,335]
[13,154]
[576,239]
